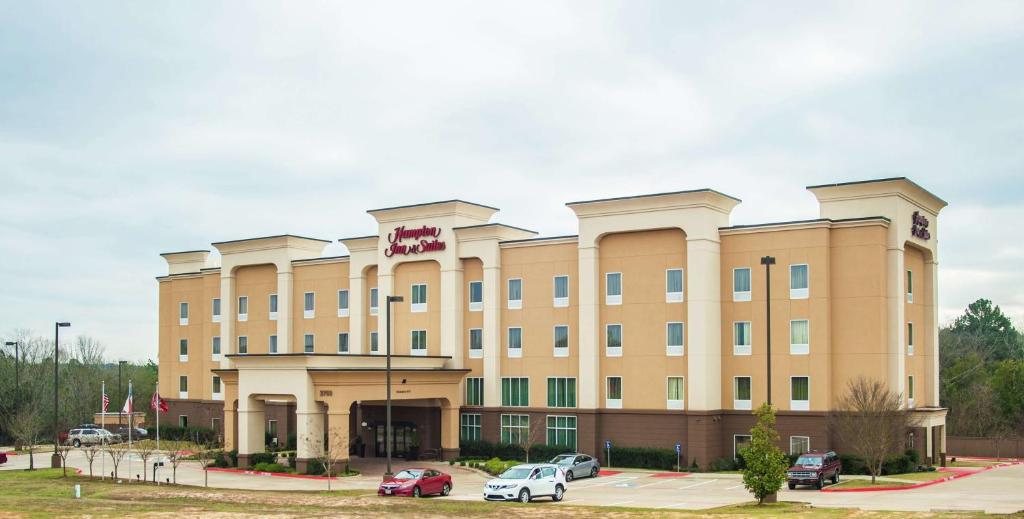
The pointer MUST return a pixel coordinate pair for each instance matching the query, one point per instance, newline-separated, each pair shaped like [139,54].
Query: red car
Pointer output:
[3,458]
[416,483]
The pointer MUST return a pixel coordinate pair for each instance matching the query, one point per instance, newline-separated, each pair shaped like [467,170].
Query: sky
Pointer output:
[128,129]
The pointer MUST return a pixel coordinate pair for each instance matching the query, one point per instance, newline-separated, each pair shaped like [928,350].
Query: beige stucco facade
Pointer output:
[617,273]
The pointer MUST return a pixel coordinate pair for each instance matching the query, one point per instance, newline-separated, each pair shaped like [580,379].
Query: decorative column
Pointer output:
[385,288]
[284,308]
[589,336]
[230,431]
[337,436]
[251,425]
[704,324]
[896,301]
[449,432]
[227,313]
[492,335]
[931,333]
[451,316]
[309,434]
[356,313]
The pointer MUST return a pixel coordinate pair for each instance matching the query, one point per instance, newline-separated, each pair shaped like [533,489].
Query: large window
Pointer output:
[243,308]
[272,344]
[374,306]
[561,341]
[183,313]
[515,294]
[216,309]
[674,339]
[741,284]
[676,392]
[343,342]
[419,342]
[741,338]
[799,445]
[515,429]
[613,393]
[741,393]
[475,391]
[562,432]
[470,429]
[419,298]
[476,296]
[515,392]
[307,343]
[799,283]
[674,286]
[243,344]
[561,392]
[515,342]
[799,337]
[910,286]
[309,305]
[476,343]
[800,391]
[273,307]
[613,288]
[343,303]
[561,295]
[613,340]
[910,338]
[374,346]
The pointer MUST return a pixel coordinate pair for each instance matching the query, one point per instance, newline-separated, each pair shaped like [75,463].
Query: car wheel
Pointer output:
[77,443]
[416,492]
[559,493]
[820,483]
[593,472]
[792,486]
[524,496]
[446,489]
[569,476]
[835,477]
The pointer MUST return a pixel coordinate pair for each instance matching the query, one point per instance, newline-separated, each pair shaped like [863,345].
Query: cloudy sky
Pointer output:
[128,129]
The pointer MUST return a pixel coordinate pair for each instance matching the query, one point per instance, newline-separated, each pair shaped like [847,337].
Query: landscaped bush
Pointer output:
[900,464]
[262,457]
[644,458]
[270,467]
[541,453]
[722,464]
[487,450]
[201,435]
[315,468]
[495,466]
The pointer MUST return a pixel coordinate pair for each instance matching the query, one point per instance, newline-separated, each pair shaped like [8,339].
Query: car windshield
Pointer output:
[810,461]
[408,474]
[515,473]
[563,459]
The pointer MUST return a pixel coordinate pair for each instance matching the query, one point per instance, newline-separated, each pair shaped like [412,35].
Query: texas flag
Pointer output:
[128,403]
[158,404]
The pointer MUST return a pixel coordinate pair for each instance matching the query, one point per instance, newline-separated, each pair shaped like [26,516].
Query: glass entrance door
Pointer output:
[402,440]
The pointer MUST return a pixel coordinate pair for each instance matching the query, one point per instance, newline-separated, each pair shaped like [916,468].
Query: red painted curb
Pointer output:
[609,472]
[671,475]
[275,474]
[919,485]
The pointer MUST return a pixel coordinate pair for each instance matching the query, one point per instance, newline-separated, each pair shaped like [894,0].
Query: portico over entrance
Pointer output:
[339,398]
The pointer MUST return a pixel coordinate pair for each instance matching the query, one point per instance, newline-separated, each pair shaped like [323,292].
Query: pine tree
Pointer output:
[766,464]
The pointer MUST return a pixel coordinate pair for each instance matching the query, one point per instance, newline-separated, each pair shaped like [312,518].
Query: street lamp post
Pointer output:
[17,372]
[387,414]
[55,460]
[768,261]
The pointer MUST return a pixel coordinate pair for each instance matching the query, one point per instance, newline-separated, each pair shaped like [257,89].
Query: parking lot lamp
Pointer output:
[55,461]
[768,261]
[387,412]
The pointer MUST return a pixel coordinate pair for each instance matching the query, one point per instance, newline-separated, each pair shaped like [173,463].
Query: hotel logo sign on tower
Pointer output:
[424,240]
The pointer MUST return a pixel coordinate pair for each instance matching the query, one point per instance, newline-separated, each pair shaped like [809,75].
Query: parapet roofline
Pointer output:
[651,195]
[893,180]
[216,243]
[425,204]
[165,254]
[803,222]
[479,226]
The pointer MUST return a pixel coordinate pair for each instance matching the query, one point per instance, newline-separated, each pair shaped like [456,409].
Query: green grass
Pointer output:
[921,476]
[866,483]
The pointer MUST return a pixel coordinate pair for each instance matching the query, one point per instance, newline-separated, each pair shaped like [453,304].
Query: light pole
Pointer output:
[55,460]
[387,414]
[17,372]
[768,261]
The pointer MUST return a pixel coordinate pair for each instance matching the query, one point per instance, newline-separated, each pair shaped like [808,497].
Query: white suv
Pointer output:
[525,482]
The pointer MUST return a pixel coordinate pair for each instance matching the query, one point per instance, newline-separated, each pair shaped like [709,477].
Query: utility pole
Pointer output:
[55,460]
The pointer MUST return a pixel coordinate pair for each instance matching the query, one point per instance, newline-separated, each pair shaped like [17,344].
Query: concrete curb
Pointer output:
[923,483]
[274,474]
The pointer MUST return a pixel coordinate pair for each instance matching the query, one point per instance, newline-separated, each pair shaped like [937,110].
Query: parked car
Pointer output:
[577,465]
[525,482]
[416,483]
[3,458]
[813,468]
[79,437]
[138,433]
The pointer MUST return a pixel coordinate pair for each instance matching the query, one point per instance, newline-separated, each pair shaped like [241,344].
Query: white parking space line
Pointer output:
[619,503]
[673,505]
[611,481]
[650,484]
[735,487]
[698,484]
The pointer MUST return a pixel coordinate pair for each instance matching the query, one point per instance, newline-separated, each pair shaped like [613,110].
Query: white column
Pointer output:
[309,433]
[285,282]
[896,299]
[385,287]
[228,314]
[451,316]
[356,313]
[704,324]
[251,423]
[931,334]
[589,384]
[492,335]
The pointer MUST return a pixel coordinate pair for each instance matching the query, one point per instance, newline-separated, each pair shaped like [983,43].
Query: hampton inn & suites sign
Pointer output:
[420,240]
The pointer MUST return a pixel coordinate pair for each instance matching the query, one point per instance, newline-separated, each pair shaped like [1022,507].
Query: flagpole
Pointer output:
[157,411]
[130,407]
[103,424]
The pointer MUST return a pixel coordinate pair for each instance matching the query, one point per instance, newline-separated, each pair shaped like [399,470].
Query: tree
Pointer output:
[766,464]
[985,320]
[26,426]
[117,452]
[144,450]
[207,456]
[871,422]
[330,455]
[62,450]
[175,456]
[528,438]
[91,452]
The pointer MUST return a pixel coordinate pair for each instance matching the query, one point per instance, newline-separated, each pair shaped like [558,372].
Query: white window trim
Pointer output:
[557,351]
[910,398]
[800,405]
[182,394]
[344,312]
[418,352]
[417,308]
[514,304]
[513,353]
[215,317]
[559,302]
[308,314]
[740,349]
[799,293]
[614,351]
[477,306]
[675,405]
[742,296]
[369,344]
[313,335]
[220,394]
[182,358]
[742,405]
[910,337]
[910,287]
[374,310]
[791,438]
[243,317]
[272,315]
[679,350]
[216,356]
[613,300]
[275,350]
[575,385]
[675,297]
[735,454]
[475,353]
[799,349]
[237,341]
[613,403]
[349,345]
[183,321]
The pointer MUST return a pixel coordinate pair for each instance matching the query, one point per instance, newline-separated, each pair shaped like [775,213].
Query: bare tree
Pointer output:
[26,426]
[91,452]
[534,432]
[175,456]
[63,449]
[871,422]
[206,456]
[145,450]
[330,455]
[117,452]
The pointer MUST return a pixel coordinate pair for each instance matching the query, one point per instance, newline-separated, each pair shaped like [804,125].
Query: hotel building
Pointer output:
[647,328]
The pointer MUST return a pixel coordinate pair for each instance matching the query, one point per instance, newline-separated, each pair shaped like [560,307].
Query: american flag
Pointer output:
[106,402]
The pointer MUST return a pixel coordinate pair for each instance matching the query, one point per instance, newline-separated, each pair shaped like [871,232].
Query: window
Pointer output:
[561,296]
[674,339]
[272,344]
[613,340]
[561,341]
[515,294]
[272,428]
[800,394]
[182,421]
[215,424]
[515,342]
[476,296]
[309,305]
[343,303]
[373,301]
[515,429]
[343,342]
[183,350]
[741,393]
[243,308]
[799,445]
[562,432]
[799,337]
[182,314]
[183,386]
[475,391]
[418,345]
[216,385]
[561,392]
[676,390]
[307,343]
[515,392]
[741,284]
[739,443]
[798,282]
[374,347]
[470,427]
[741,338]
[476,343]
[419,298]
[613,288]
[216,309]
[910,286]
[674,286]
[910,391]
[613,394]
[273,307]
[910,338]
[243,344]
[215,348]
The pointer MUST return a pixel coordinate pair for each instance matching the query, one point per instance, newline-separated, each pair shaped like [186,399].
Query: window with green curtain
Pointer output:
[470,430]
[674,331]
[741,280]
[475,391]
[561,392]
[515,392]
[515,289]
[515,338]
[562,286]
[309,301]
[419,294]
[741,336]
[561,336]
[614,284]
[675,388]
[614,332]
[674,280]
[476,339]
[476,292]
[343,299]
[419,339]
[801,389]
[798,332]
[742,388]
[797,277]
[615,388]
[562,431]
[515,428]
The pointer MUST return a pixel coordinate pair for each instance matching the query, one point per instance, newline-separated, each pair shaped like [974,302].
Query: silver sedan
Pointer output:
[577,465]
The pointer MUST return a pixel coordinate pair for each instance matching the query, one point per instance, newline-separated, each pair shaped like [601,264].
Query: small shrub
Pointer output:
[451,462]
[270,467]
[262,457]
[315,468]
[644,458]
[722,464]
